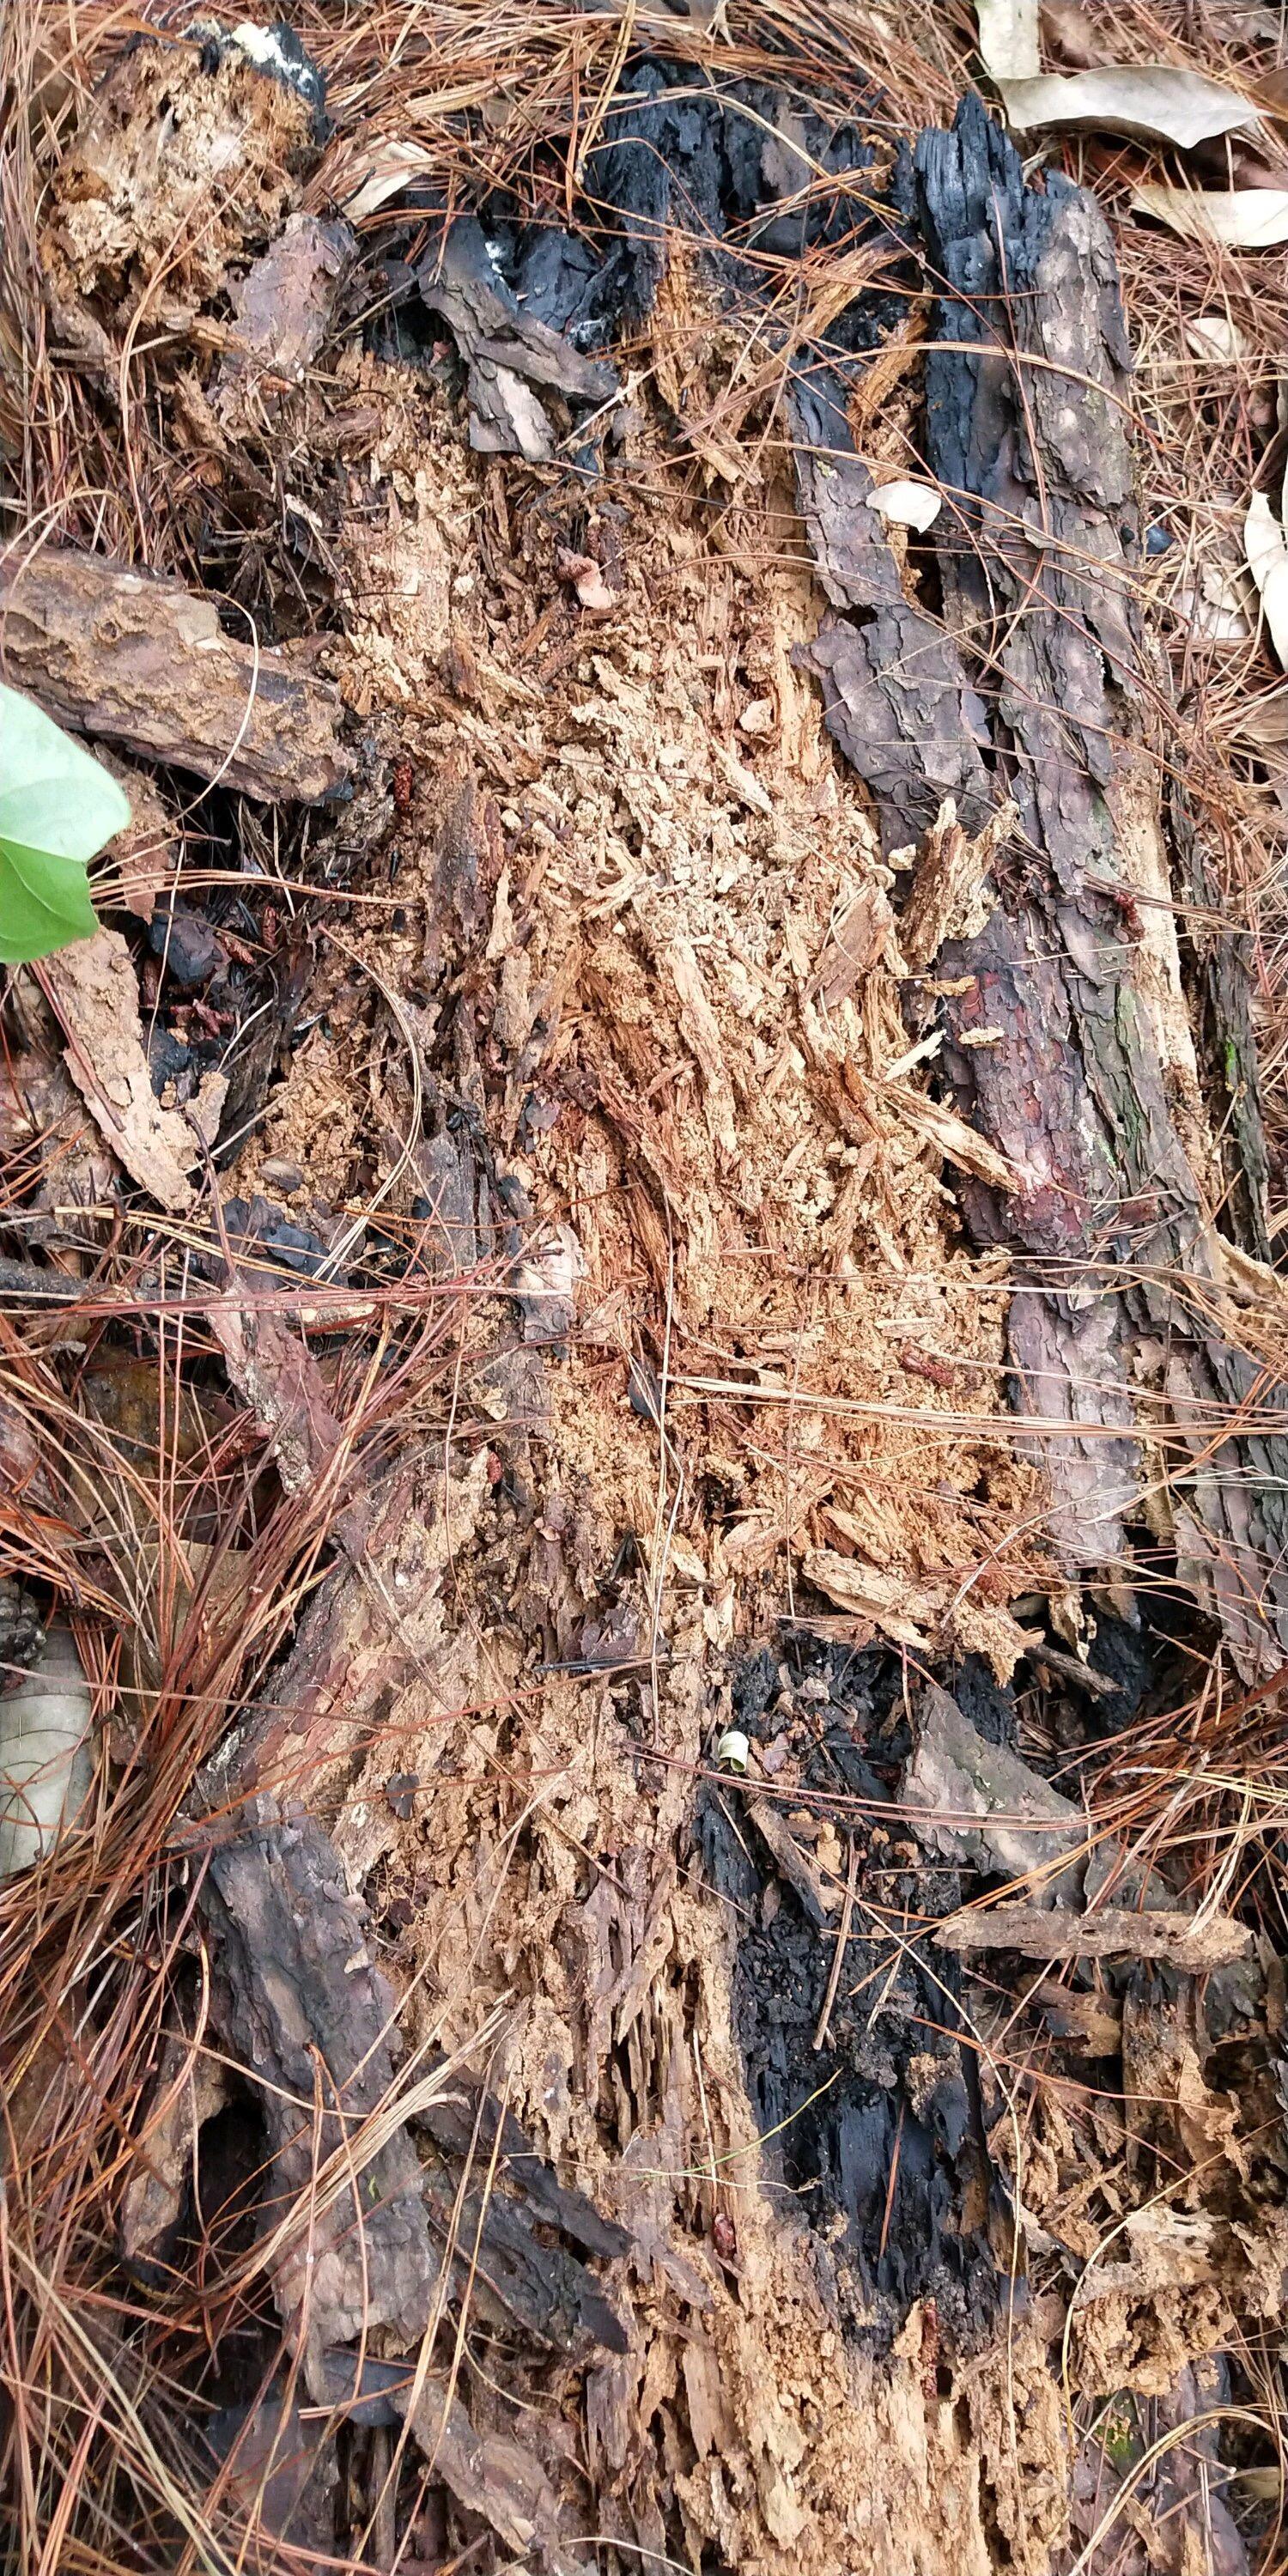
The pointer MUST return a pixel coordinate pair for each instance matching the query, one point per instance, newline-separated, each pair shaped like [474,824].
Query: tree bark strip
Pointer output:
[1092,1087]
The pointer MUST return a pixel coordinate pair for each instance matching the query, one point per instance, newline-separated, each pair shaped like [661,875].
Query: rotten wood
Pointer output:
[132,655]
[1183,1941]
[300,2005]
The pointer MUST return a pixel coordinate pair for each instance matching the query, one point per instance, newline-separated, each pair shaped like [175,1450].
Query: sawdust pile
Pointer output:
[665,973]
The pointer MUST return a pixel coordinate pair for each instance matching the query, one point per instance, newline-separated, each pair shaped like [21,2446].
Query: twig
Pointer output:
[842,1937]
[1071,1670]
[890,2186]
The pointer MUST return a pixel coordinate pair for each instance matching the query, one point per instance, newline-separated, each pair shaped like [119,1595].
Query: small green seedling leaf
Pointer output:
[57,808]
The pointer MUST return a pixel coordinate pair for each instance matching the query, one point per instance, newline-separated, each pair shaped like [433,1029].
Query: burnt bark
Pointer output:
[1088,1082]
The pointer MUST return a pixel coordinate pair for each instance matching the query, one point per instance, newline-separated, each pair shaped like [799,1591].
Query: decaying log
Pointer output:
[1087,1079]
[728,2018]
[133,656]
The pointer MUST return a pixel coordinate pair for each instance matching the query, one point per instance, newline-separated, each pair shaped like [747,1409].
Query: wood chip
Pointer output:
[908,504]
[817,1893]
[93,985]
[957,1142]
[1182,1940]
[367,179]
[952,893]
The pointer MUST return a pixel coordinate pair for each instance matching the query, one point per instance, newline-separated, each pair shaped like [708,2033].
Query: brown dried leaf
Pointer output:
[1241,218]
[1158,102]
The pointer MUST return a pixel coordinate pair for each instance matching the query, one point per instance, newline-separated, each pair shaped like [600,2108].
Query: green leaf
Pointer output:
[44,903]
[57,808]
[53,793]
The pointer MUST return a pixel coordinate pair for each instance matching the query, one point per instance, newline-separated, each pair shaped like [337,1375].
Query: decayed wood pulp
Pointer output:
[644,944]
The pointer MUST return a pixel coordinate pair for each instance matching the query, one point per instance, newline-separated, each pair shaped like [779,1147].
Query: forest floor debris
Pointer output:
[666,1134]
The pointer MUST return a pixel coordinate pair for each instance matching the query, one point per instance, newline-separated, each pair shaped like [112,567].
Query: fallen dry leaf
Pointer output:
[1157,102]
[93,987]
[1067,29]
[1214,611]
[1267,555]
[1008,39]
[1240,218]
[1265,721]
[374,176]
[1214,335]
[910,505]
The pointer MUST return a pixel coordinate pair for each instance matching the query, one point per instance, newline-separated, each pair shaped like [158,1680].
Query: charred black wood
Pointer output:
[745,175]
[1091,1089]
[878,2132]
[508,355]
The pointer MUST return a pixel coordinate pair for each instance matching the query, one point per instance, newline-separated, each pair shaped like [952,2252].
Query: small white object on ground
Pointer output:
[911,505]
[46,1769]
